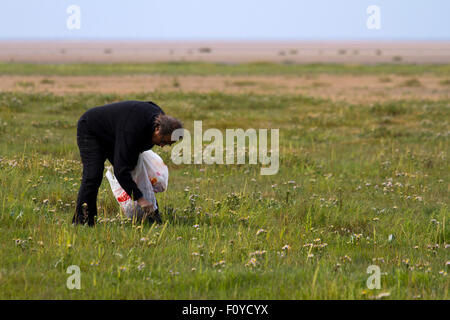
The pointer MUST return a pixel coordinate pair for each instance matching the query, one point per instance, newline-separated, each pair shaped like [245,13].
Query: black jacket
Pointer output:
[125,130]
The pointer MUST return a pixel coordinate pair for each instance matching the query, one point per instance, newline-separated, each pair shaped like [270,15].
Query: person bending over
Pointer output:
[118,132]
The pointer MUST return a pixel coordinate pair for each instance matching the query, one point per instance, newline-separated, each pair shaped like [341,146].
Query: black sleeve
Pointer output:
[126,155]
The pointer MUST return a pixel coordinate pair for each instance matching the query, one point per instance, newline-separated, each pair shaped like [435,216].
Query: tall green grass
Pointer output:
[358,185]
[205,68]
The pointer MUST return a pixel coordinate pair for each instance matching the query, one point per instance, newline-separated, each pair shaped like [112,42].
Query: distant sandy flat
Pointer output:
[350,88]
[226,52]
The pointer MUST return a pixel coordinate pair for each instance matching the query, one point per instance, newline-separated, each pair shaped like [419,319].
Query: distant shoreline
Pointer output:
[299,52]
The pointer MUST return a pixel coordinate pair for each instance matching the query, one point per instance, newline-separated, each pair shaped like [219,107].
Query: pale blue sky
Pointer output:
[225,19]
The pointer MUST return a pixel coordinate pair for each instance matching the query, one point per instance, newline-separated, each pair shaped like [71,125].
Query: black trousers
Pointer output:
[93,158]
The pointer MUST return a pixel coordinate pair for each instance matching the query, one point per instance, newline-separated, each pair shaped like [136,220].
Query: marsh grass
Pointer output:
[413,82]
[204,68]
[47,81]
[242,83]
[385,79]
[319,84]
[25,84]
[358,185]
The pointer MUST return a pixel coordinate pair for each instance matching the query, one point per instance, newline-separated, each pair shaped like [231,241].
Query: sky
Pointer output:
[242,20]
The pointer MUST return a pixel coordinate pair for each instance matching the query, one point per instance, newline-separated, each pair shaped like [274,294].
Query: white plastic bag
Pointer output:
[157,171]
[150,174]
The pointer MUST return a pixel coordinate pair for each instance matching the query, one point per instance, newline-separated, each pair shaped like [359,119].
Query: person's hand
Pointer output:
[149,210]
[146,206]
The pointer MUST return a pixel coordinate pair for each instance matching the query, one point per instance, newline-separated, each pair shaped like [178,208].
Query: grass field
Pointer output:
[202,68]
[360,184]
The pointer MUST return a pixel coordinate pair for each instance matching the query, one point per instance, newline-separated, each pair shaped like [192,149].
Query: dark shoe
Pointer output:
[84,217]
[77,220]
[155,217]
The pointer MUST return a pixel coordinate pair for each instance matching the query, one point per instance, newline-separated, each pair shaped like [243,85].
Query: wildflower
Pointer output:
[258,253]
[20,242]
[252,263]
[378,260]
[244,219]
[357,236]
[260,231]
[381,295]
[219,263]
[286,247]
[141,266]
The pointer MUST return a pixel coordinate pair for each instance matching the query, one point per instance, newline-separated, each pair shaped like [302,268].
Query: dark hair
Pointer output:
[167,124]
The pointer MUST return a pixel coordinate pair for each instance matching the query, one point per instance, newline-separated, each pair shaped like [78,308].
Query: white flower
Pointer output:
[141,266]
[258,253]
[260,231]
